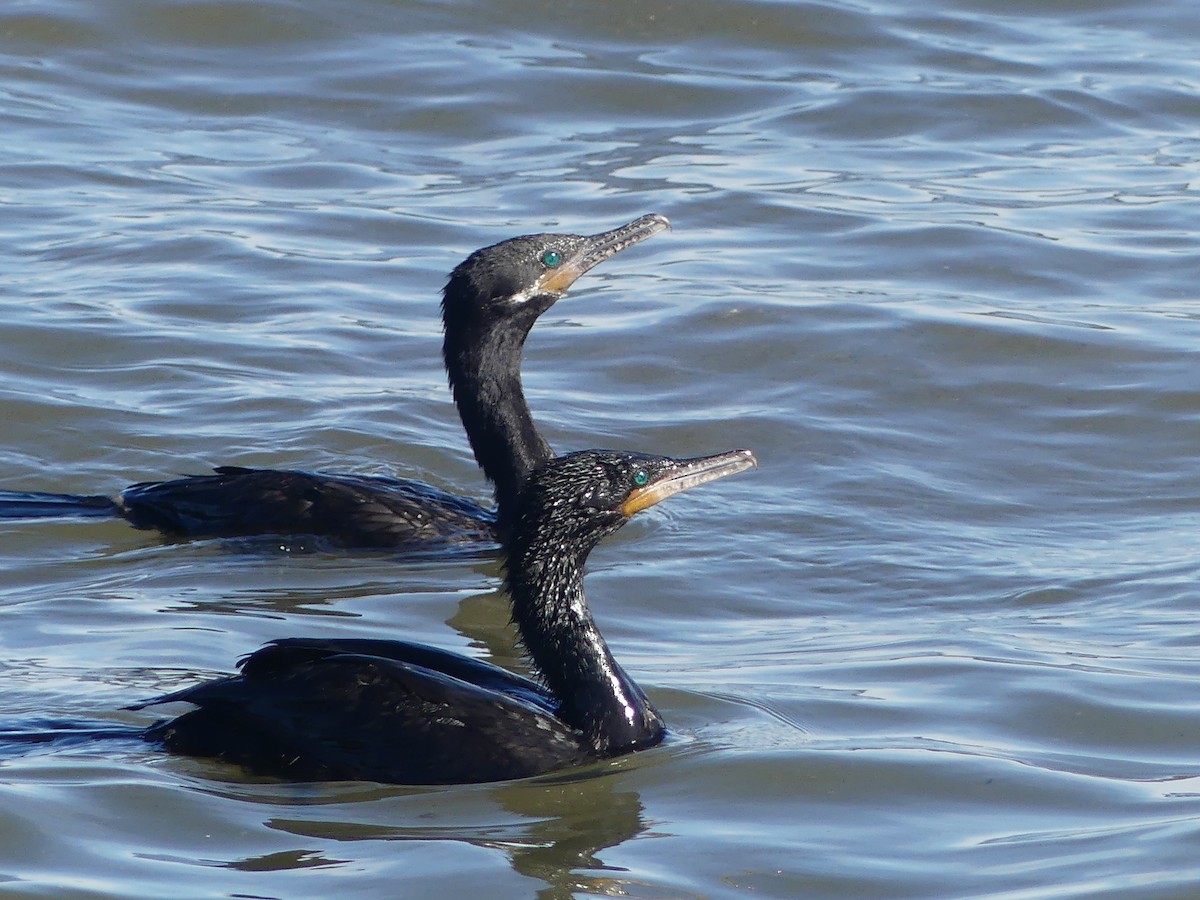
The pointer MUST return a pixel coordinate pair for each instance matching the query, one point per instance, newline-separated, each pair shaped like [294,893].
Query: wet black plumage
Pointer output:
[390,711]
[489,304]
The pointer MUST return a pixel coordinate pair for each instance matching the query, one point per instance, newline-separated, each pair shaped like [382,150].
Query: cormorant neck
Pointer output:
[596,695]
[485,378]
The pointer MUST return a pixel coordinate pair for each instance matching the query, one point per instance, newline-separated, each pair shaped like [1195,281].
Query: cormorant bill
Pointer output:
[390,711]
[489,304]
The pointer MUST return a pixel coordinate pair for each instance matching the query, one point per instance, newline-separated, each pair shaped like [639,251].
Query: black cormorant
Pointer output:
[489,304]
[389,711]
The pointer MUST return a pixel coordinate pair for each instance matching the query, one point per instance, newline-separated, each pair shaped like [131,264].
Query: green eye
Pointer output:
[640,479]
[551,259]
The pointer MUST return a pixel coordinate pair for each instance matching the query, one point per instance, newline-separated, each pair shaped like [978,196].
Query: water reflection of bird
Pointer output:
[312,709]
[489,304]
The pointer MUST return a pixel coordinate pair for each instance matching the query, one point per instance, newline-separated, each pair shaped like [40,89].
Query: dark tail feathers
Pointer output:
[38,505]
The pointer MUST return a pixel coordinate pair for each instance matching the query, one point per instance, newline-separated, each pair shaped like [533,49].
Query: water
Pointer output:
[934,264]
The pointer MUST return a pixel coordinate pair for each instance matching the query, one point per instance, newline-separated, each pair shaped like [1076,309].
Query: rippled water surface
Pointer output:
[935,264]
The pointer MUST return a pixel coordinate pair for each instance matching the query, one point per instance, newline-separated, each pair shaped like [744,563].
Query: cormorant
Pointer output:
[489,304]
[390,711]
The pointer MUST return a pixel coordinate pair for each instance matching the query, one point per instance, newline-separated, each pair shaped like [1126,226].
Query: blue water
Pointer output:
[935,265]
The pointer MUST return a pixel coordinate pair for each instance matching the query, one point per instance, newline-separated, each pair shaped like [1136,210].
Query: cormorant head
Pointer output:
[517,280]
[571,502]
